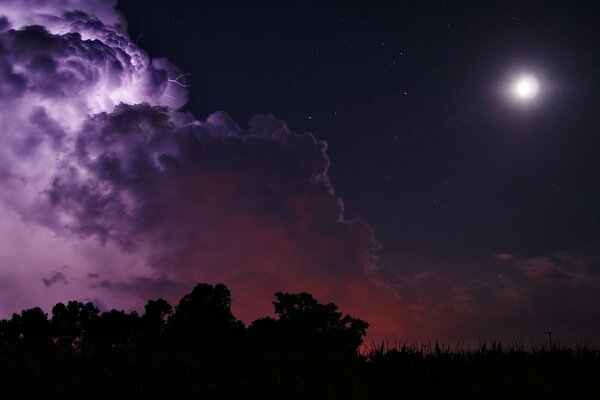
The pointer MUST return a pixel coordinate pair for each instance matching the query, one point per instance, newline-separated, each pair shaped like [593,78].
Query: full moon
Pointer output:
[526,87]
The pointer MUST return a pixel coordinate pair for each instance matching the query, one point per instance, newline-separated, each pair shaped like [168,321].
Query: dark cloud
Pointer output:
[437,306]
[561,266]
[589,265]
[556,292]
[12,85]
[544,269]
[55,277]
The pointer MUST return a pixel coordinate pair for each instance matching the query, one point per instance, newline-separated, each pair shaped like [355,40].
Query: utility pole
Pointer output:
[550,333]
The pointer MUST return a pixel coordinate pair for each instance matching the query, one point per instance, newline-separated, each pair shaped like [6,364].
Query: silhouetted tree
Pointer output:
[154,320]
[116,329]
[31,328]
[304,322]
[265,332]
[3,332]
[203,317]
[72,322]
[157,311]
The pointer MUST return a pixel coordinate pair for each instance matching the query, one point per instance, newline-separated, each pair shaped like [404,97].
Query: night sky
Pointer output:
[422,146]
[468,211]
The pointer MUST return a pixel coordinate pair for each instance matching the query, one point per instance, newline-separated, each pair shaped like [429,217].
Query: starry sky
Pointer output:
[422,146]
[425,198]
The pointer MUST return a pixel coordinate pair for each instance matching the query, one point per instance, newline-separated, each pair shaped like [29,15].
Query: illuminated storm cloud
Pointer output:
[93,147]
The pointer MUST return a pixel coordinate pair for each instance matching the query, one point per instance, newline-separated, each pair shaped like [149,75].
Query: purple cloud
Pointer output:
[55,277]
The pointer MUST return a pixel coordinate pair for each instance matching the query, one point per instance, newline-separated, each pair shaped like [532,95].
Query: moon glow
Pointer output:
[526,87]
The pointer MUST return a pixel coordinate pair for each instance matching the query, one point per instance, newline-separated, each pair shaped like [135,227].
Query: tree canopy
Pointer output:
[201,320]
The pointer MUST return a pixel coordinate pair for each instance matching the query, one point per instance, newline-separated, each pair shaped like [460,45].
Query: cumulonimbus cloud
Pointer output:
[94,148]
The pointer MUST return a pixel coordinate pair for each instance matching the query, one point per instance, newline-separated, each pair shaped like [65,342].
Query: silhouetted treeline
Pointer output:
[198,349]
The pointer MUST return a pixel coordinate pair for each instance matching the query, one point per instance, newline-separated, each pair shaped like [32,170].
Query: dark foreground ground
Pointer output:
[394,374]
